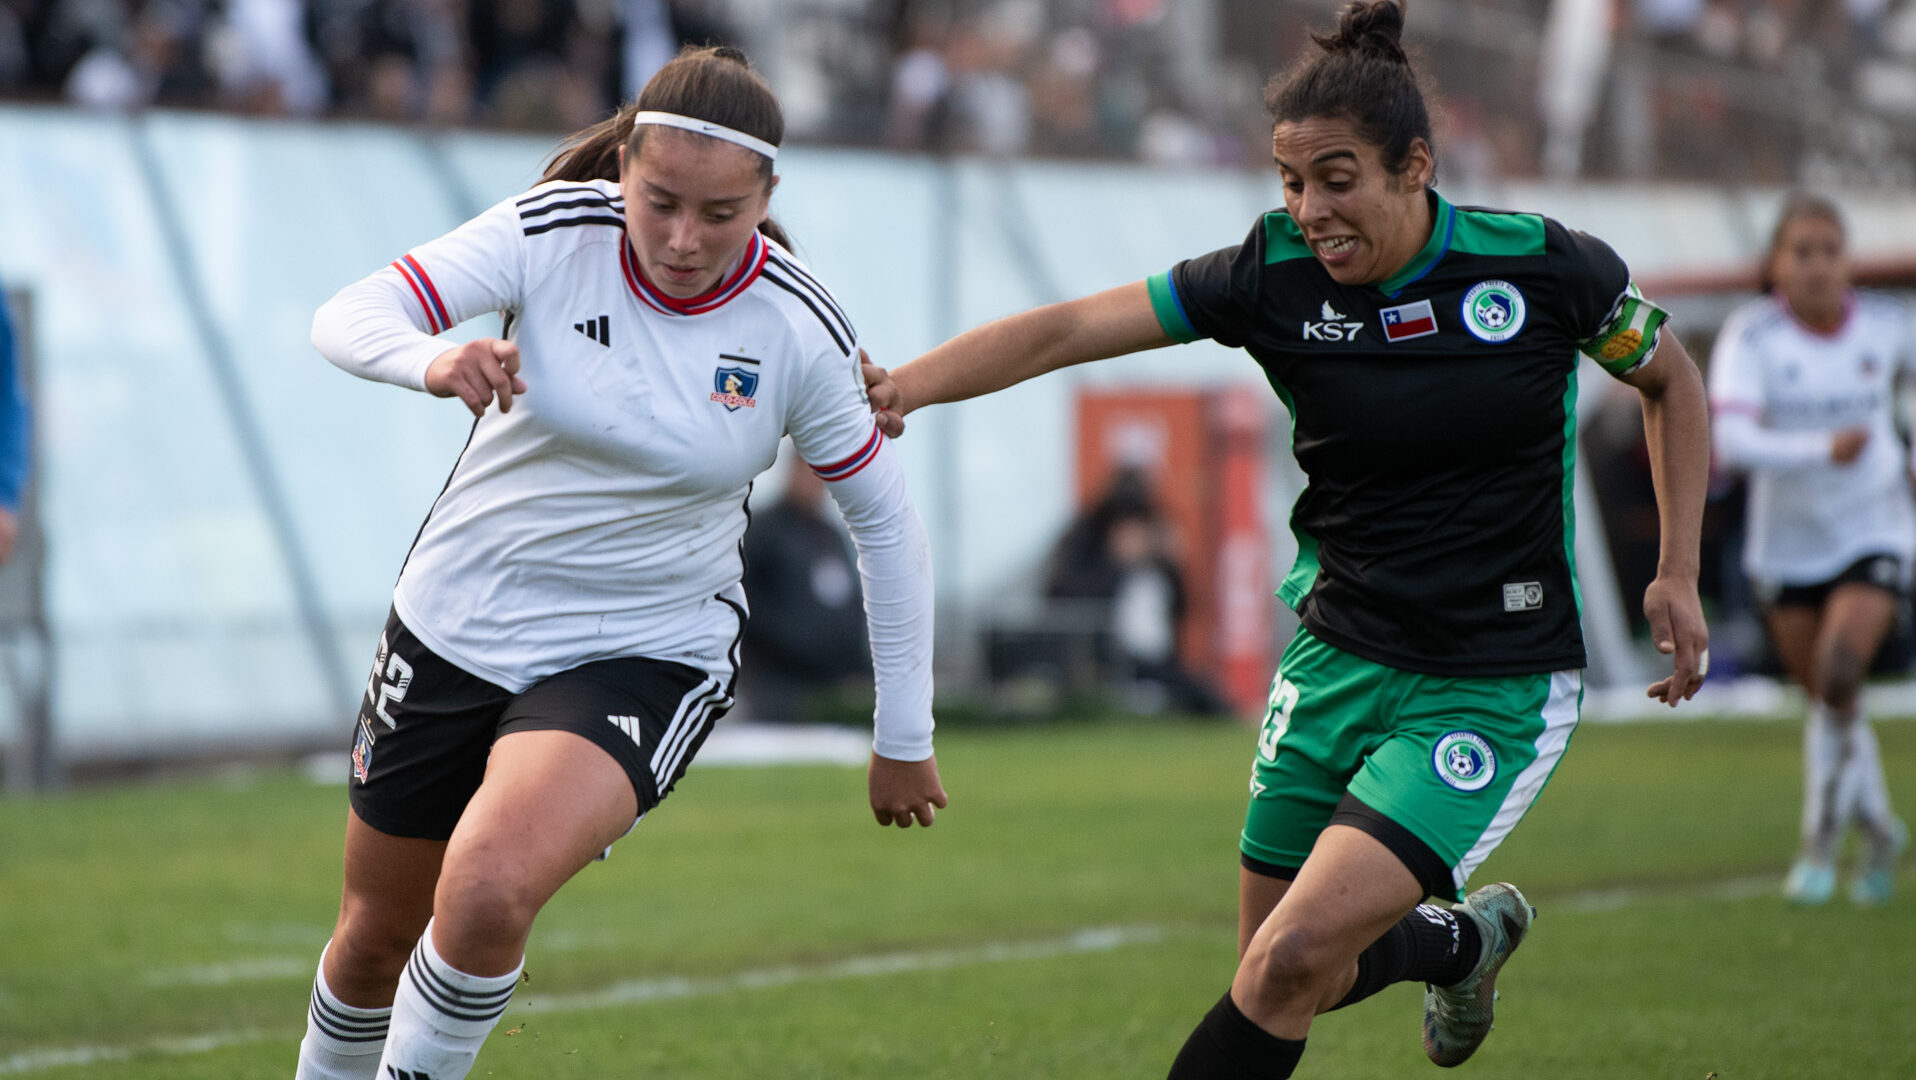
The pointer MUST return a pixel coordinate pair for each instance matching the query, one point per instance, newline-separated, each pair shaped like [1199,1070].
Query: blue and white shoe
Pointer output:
[1876,878]
[1457,1018]
[1810,882]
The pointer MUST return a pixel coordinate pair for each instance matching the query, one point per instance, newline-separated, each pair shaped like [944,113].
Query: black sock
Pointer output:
[1227,1045]
[1431,944]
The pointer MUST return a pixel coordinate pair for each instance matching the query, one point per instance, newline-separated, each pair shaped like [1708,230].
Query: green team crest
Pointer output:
[1493,311]
[1464,760]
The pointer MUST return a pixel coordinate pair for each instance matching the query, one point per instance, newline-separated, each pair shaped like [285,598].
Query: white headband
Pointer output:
[706,127]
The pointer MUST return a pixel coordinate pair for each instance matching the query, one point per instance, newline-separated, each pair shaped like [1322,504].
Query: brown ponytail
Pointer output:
[712,83]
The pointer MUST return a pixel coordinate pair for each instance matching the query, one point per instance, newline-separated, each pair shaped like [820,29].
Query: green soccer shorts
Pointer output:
[1438,768]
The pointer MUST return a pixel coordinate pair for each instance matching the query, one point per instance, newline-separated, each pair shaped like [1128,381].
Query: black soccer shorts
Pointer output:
[425,728]
[1881,571]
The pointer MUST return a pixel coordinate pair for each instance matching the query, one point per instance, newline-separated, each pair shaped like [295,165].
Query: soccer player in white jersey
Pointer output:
[565,629]
[1802,384]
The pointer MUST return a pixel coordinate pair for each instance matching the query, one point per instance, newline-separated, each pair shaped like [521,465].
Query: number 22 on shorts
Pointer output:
[399,674]
[1277,717]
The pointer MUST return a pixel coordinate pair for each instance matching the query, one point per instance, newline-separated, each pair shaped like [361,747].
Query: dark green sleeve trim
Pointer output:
[1169,310]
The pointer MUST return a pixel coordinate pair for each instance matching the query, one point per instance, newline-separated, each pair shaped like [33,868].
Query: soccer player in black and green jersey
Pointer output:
[1428,356]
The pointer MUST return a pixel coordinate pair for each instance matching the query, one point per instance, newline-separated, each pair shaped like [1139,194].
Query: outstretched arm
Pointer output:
[1023,346]
[894,565]
[1676,423]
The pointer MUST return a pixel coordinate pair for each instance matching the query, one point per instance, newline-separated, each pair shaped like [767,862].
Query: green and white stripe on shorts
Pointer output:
[1456,761]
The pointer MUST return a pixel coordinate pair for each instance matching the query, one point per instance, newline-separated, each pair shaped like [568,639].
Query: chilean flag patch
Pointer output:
[1406,321]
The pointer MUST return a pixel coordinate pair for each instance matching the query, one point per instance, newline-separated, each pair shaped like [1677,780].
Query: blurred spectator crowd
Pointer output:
[515,63]
[1764,91]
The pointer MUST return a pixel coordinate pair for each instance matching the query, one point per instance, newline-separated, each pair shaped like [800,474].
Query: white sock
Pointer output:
[1864,782]
[342,1041]
[441,1016]
[1824,813]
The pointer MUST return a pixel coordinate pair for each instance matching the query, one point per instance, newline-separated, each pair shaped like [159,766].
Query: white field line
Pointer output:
[1597,901]
[29,1061]
[643,991]
[640,991]
[260,969]
[1088,940]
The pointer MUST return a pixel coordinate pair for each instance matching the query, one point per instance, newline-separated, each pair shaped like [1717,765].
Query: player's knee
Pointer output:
[1840,675]
[484,908]
[1292,967]
[373,943]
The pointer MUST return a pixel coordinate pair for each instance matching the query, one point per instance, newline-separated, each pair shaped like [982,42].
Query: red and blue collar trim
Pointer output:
[748,270]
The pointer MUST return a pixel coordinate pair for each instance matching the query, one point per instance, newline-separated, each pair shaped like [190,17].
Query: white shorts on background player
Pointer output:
[602,516]
[1780,392]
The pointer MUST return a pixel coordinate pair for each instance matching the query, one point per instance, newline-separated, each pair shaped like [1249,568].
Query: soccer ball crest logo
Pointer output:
[1493,311]
[1464,760]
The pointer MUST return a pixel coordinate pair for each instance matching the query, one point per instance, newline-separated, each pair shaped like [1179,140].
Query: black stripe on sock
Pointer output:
[337,1025]
[453,1002]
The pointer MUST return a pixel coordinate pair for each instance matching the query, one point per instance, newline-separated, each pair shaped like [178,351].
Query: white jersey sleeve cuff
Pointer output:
[894,566]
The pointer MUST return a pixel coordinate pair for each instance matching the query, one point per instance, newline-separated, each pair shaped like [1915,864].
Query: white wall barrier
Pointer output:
[225,512]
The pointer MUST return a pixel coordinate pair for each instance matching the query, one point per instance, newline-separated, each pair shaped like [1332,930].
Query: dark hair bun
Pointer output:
[1375,27]
[733,53]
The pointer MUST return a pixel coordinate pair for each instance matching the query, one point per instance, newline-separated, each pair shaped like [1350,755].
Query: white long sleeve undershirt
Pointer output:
[894,566]
[369,329]
[1744,443]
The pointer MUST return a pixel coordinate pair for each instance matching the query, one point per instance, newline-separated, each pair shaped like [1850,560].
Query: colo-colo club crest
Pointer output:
[734,384]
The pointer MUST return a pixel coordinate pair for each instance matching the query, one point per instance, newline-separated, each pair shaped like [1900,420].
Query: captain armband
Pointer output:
[1628,336]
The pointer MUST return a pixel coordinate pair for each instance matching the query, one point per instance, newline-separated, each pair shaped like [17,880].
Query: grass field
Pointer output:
[1071,915]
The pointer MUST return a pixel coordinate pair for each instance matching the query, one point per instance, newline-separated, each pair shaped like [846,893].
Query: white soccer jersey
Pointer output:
[1780,391]
[602,516]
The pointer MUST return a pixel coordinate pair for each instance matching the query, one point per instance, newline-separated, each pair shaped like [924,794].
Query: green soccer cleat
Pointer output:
[1457,1017]
[1876,878]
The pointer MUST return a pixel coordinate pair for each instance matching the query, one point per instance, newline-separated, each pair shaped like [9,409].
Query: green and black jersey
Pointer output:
[1435,417]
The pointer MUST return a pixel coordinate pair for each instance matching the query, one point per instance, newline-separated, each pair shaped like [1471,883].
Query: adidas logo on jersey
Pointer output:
[599,329]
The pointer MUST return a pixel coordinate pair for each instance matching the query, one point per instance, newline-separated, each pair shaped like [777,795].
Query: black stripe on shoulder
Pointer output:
[597,202]
[775,279]
[569,189]
[560,223]
[799,274]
